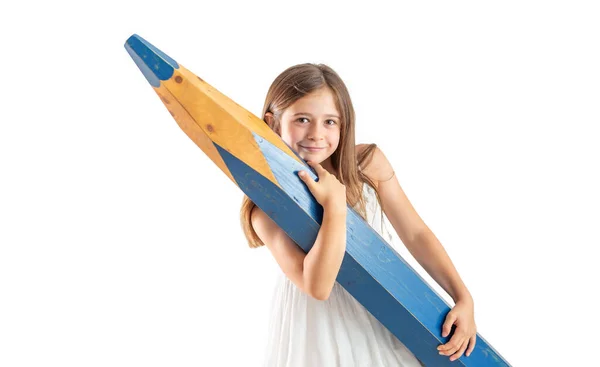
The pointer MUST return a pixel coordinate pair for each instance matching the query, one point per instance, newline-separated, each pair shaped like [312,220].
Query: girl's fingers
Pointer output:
[453,346]
[472,342]
[460,352]
[447,327]
[306,179]
[319,170]
[315,165]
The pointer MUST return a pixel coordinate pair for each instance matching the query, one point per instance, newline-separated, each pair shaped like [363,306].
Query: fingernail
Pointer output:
[301,173]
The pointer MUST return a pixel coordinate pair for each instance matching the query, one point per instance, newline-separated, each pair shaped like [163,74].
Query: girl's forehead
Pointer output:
[318,102]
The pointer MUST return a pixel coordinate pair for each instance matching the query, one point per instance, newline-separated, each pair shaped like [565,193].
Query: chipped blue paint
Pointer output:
[152,62]
[372,271]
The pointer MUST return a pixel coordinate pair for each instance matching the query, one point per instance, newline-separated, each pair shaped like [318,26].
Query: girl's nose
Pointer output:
[316,132]
[315,137]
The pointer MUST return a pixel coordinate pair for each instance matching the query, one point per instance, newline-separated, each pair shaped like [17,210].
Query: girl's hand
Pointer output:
[328,191]
[465,335]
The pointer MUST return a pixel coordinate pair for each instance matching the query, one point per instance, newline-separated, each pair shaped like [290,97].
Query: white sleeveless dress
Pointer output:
[305,332]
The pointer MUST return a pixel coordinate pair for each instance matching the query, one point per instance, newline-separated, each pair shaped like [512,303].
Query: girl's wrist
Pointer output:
[464,298]
[336,209]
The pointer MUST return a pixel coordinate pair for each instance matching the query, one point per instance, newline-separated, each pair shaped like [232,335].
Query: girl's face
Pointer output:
[313,121]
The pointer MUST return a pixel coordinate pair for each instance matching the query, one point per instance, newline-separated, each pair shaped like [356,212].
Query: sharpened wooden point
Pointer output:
[264,167]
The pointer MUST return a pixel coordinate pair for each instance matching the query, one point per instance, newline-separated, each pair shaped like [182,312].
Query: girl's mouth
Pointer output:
[312,150]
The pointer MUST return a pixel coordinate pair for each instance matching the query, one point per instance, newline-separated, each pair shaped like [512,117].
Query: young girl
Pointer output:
[315,321]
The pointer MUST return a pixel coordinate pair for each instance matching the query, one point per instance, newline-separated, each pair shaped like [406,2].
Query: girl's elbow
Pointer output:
[320,294]
[317,287]
[320,297]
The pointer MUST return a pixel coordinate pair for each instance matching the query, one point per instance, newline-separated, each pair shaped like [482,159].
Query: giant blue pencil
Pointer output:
[264,167]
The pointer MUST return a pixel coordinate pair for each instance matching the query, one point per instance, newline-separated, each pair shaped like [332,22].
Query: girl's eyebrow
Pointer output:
[308,114]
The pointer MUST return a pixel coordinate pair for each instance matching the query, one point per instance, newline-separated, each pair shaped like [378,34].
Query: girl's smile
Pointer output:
[311,149]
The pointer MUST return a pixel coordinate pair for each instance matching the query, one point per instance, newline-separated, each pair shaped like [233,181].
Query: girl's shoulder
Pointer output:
[372,162]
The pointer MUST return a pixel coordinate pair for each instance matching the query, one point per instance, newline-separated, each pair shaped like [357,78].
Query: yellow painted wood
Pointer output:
[371,272]
[192,129]
[210,112]
[243,116]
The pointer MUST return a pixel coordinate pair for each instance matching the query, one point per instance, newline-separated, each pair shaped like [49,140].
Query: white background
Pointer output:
[120,243]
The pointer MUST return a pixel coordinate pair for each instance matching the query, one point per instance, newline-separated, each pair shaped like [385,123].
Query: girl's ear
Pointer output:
[269,119]
[271,122]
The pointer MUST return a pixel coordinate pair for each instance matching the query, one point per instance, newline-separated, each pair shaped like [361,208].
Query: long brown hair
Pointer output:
[293,84]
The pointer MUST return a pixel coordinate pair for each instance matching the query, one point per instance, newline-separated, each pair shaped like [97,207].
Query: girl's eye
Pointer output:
[333,122]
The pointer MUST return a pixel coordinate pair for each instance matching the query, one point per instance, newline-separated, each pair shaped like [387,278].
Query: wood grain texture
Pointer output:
[265,169]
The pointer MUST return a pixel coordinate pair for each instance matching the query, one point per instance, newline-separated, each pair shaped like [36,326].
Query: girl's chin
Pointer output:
[310,154]
[317,158]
